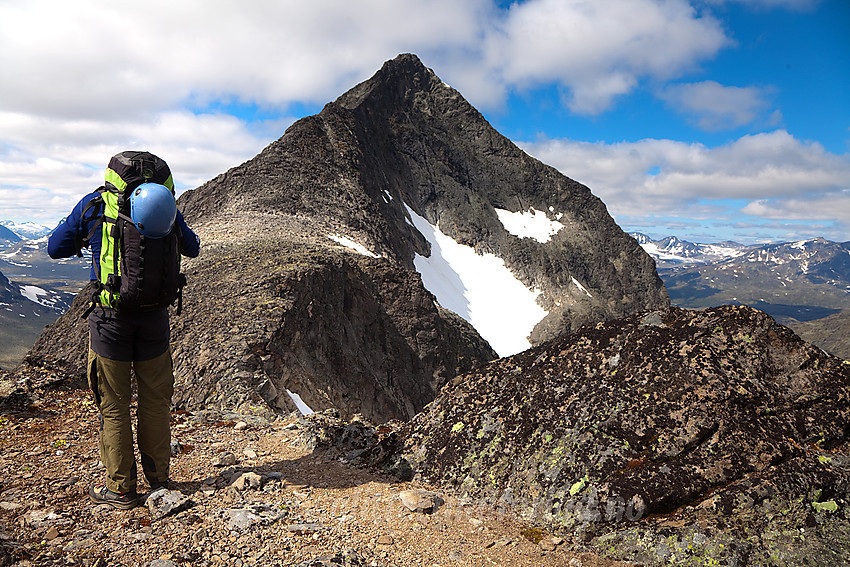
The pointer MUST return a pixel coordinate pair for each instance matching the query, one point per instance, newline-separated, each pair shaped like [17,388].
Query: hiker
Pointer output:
[136,236]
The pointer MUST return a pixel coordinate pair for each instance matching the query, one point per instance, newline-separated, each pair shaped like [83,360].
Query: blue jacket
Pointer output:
[65,238]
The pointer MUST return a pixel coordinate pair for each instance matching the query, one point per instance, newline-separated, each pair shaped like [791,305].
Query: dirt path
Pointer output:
[294,507]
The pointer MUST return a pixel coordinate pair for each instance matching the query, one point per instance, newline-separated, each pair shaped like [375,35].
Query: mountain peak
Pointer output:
[394,84]
[404,64]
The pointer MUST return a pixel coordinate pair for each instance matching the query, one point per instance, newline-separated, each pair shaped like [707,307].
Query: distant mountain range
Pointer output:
[34,291]
[804,285]
[671,252]
[23,230]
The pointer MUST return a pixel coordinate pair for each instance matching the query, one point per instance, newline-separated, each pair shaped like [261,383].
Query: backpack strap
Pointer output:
[94,301]
[95,210]
[90,213]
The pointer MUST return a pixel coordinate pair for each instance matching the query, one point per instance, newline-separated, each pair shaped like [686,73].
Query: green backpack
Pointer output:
[136,273]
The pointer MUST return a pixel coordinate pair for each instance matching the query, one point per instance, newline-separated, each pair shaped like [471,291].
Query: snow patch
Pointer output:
[479,288]
[303,408]
[582,288]
[530,224]
[33,293]
[348,243]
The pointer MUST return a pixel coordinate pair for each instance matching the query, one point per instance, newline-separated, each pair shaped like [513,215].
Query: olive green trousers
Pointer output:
[109,380]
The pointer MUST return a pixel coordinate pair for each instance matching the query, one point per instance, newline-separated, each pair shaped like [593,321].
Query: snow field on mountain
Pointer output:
[479,288]
[530,224]
[356,246]
[26,230]
[33,293]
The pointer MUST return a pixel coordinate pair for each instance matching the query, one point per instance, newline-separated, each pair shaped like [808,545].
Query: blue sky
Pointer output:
[707,119]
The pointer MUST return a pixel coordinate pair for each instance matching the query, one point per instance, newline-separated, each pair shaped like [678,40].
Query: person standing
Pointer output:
[136,236]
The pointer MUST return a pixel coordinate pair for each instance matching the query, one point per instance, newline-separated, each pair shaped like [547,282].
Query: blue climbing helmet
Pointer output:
[153,209]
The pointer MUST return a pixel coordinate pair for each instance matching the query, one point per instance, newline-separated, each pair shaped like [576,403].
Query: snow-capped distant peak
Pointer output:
[672,251]
[26,230]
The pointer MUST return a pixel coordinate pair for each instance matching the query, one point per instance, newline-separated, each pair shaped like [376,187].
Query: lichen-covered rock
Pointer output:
[674,436]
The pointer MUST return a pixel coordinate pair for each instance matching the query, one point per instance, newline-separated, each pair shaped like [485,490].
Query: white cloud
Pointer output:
[718,107]
[599,50]
[774,174]
[92,58]
[834,205]
[82,80]
[57,161]
[96,58]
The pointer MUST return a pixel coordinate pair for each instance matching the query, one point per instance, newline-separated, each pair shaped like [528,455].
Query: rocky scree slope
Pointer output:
[274,304]
[676,436]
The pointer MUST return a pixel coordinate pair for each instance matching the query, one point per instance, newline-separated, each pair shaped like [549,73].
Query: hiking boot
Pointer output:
[99,494]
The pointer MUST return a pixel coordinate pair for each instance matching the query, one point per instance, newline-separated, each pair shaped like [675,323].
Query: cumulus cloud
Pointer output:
[599,50]
[827,205]
[83,80]
[770,176]
[96,58]
[718,107]
[54,161]
[91,58]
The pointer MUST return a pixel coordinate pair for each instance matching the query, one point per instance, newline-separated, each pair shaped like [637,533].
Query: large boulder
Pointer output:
[681,437]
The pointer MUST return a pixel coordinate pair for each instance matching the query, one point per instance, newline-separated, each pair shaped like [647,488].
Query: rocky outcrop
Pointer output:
[339,329]
[671,437]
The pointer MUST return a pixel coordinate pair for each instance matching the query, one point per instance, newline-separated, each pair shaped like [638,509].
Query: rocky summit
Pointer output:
[308,287]
[713,437]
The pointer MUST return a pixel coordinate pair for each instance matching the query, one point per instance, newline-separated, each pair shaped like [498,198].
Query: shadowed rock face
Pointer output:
[718,425]
[341,330]
[274,304]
